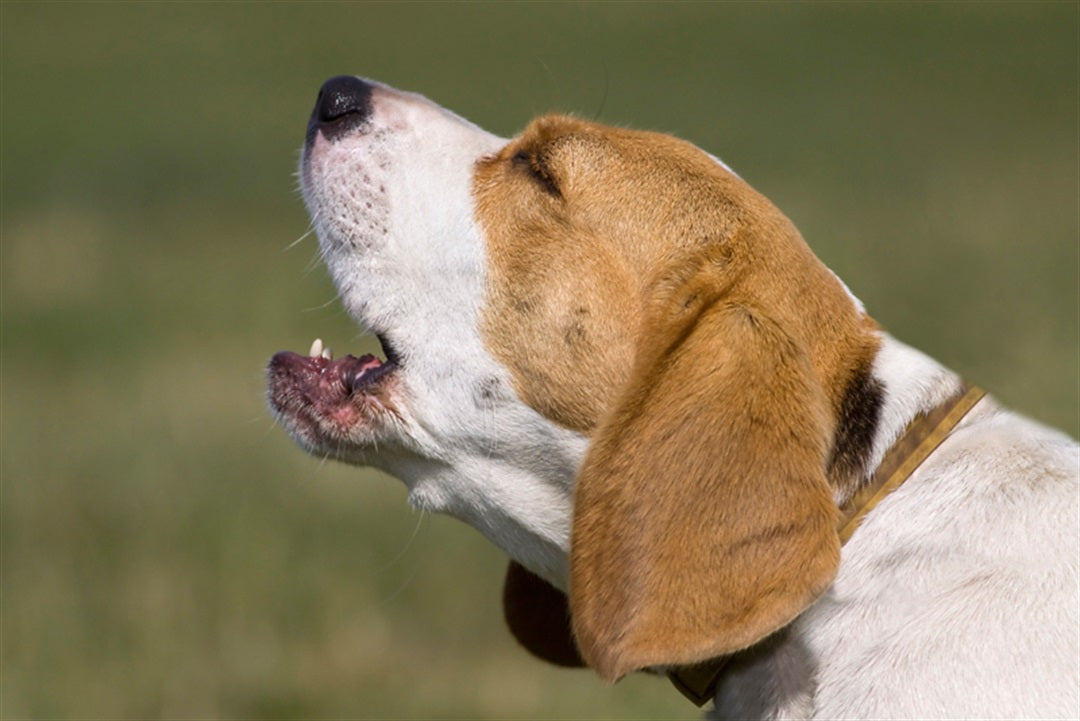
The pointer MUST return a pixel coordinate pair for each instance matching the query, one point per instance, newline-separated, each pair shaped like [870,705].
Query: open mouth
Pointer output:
[320,373]
[323,400]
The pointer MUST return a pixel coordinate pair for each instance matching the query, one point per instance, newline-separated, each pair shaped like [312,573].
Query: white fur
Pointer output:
[956,598]
[411,268]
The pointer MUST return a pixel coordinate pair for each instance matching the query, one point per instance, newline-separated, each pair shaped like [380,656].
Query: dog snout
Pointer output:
[344,103]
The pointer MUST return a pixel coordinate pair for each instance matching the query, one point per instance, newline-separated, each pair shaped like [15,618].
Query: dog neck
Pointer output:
[923,435]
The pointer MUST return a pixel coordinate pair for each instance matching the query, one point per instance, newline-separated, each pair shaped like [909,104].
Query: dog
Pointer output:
[624,366]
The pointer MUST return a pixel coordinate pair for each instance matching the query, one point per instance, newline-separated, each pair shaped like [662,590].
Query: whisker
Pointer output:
[337,297]
[314,263]
[401,587]
[307,233]
[408,543]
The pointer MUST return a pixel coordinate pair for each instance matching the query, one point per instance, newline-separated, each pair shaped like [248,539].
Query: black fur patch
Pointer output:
[860,410]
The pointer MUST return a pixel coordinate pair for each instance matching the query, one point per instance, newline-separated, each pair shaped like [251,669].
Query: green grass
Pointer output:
[167,552]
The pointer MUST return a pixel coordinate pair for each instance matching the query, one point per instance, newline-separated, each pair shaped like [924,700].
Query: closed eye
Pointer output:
[532,164]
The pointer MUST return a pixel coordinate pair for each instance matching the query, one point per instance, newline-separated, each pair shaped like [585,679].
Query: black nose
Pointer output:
[344,103]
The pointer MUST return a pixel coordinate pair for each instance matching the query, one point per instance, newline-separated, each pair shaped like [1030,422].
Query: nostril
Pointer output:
[344,102]
[343,95]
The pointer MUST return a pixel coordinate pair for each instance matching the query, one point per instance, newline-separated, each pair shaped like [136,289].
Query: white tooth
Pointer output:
[316,348]
[328,354]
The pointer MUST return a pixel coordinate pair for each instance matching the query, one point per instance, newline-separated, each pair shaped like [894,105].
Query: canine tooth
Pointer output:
[327,354]
[316,348]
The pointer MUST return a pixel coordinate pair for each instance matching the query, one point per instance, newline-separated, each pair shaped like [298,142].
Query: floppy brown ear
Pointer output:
[538,615]
[703,520]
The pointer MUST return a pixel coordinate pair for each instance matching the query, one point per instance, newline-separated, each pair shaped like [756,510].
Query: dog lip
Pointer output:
[323,402]
[388,349]
[318,378]
[303,389]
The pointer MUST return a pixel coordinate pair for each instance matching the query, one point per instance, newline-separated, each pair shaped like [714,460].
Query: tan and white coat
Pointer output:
[624,366]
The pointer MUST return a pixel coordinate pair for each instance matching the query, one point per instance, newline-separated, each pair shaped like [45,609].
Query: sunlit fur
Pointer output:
[626,368]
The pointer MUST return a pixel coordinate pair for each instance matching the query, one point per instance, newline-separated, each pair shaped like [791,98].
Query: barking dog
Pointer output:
[624,366]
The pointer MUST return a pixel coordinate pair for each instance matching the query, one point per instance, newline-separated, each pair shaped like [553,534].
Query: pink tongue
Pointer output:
[367,362]
[358,369]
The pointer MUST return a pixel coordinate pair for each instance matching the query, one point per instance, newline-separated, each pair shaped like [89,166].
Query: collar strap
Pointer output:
[921,437]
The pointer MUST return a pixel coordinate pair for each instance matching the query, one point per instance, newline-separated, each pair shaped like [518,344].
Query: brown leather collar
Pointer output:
[924,434]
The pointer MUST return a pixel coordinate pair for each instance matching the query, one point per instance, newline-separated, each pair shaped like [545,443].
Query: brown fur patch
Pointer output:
[703,521]
[642,294]
[585,222]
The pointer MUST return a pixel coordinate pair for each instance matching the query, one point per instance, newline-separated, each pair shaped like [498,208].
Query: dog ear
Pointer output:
[703,520]
[538,615]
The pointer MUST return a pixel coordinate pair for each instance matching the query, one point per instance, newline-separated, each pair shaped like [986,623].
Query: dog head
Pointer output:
[604,350]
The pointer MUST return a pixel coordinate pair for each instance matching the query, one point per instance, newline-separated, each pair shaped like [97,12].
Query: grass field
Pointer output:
[168,553]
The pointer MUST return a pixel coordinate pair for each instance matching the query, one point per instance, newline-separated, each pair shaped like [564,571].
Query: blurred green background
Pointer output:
[168,552]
